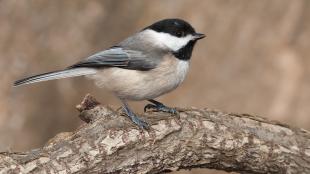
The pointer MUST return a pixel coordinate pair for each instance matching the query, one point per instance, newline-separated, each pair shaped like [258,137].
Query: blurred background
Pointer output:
[255,59]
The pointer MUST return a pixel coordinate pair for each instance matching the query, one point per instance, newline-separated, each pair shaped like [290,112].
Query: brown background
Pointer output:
[255,59]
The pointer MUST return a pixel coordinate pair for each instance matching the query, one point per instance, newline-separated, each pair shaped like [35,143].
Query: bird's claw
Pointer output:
[149,106]
[141,123]
[160,107]
[138,121]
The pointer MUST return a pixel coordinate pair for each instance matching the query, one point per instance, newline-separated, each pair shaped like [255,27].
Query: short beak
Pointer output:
[198,36]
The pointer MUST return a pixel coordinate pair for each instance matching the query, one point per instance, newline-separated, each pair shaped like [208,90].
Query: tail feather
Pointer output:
[55,75]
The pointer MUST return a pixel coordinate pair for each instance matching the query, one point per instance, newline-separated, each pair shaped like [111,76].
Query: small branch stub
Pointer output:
[88,103]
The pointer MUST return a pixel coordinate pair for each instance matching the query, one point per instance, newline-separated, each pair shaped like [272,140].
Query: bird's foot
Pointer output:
[138,121]
[157,106]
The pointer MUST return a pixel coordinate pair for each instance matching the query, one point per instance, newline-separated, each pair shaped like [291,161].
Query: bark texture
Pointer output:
[197,138]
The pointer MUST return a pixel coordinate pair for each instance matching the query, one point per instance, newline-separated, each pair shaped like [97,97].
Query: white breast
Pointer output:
[142,85]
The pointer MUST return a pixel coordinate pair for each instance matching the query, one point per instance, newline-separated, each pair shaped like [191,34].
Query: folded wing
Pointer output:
[118,57]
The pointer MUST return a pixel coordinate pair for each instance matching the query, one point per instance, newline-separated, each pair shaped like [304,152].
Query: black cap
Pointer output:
[175,27]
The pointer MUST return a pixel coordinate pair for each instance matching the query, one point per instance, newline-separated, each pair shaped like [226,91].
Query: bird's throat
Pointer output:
[185,52]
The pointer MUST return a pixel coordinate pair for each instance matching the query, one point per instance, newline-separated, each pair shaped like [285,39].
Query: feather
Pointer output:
[55,75]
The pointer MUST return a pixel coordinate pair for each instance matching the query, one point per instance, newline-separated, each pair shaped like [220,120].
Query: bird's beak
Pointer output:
[198,36]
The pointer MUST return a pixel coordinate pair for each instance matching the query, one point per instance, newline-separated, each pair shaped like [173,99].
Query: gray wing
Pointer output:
[118,57]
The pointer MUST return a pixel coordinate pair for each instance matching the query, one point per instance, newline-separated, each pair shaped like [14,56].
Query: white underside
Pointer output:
[142,85]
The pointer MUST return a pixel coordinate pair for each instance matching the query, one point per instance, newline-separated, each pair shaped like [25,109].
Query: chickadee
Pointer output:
[144,66]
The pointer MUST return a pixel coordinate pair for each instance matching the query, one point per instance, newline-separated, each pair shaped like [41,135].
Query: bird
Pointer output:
[148,64]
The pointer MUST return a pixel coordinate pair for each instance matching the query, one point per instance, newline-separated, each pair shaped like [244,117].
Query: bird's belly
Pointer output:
[142,85]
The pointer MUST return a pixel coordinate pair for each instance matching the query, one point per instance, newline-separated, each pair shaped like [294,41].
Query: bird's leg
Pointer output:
[159,107]
[142,124]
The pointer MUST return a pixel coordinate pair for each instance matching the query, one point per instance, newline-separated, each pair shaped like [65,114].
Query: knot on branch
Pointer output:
[88,103]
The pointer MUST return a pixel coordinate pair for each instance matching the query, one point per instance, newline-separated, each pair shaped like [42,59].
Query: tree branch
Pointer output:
[198,138]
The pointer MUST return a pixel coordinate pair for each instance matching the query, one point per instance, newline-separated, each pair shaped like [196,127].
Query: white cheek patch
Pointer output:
[166,40]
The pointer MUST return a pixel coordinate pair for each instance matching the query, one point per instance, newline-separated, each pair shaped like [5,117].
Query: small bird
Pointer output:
[146,65]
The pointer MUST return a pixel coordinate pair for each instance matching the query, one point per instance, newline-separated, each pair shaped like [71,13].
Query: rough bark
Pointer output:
[197,138]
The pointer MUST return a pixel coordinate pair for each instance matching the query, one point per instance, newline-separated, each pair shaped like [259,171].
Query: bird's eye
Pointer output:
[180,34]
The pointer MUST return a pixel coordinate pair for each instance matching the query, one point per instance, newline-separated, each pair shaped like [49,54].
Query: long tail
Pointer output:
[74,72]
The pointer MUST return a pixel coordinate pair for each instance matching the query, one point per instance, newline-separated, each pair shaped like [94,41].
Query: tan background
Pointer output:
[255,59]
